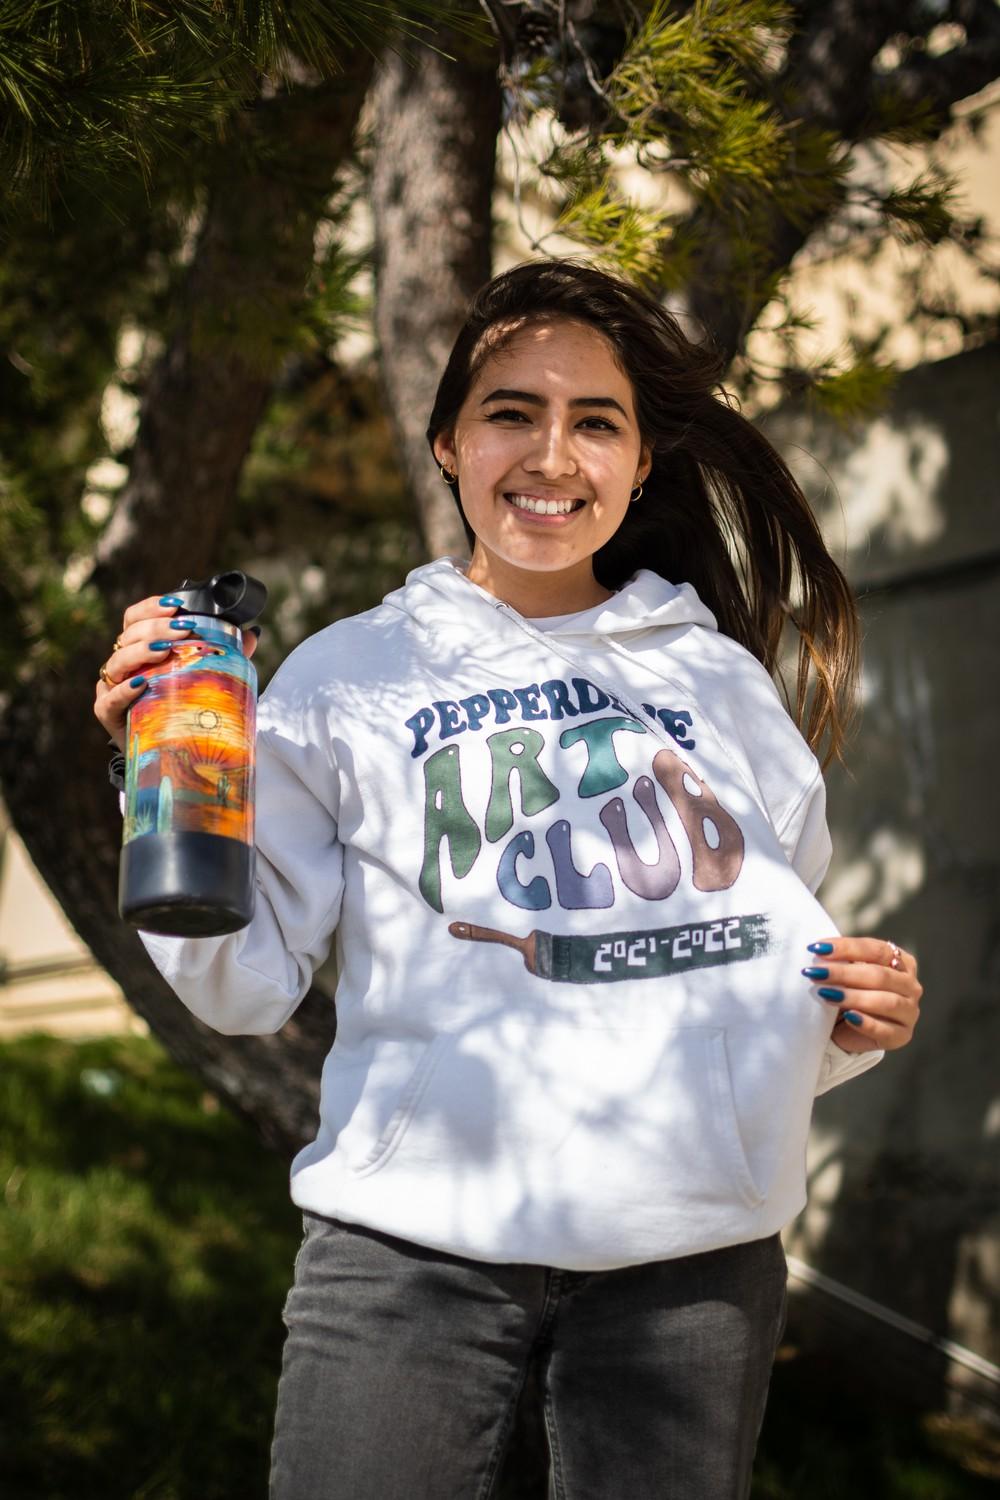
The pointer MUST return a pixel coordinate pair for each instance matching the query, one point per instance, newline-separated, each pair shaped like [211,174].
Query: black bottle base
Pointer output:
[186,884]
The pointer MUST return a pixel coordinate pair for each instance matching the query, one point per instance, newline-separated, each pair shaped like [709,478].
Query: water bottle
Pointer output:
[187,862]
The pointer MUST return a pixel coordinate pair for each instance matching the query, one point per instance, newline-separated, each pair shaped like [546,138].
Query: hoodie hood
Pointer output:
[440,594]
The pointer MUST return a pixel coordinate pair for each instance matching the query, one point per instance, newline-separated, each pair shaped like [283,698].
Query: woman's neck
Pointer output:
[536,594]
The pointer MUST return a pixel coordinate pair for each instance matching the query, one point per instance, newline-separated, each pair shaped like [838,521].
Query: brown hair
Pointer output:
[720,509]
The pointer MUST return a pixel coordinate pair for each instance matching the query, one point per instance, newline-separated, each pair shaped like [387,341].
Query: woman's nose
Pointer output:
[553,455]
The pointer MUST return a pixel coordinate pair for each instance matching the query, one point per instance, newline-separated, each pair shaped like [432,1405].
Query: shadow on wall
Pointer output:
[903,1163]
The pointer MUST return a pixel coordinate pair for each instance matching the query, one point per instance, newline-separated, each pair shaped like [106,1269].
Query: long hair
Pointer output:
[720,508]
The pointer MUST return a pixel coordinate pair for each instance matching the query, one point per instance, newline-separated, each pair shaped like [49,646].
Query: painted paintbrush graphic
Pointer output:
[606,956]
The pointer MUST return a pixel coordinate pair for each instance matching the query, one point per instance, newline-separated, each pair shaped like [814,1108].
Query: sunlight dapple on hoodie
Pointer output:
[569,864]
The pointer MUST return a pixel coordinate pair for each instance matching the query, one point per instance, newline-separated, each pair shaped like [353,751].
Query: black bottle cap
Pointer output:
[231,596]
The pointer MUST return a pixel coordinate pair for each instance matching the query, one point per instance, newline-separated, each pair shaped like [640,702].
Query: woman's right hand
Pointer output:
[148,632]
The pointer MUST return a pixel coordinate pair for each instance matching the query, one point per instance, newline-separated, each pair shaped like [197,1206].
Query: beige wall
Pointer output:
[48,979]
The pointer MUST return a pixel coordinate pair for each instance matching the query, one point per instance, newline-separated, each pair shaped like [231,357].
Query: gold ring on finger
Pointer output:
[118,642]
[896,962]
[106,677]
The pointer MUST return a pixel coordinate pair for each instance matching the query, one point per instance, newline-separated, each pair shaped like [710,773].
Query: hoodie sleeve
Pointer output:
[806,841]
[249,982]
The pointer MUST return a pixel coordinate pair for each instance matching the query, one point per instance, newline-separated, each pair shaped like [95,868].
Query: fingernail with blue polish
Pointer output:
[162,645]
[829,993]
[820,947]
[137,682]
[172,600]
[852,1016]
[816,973]
[182,625]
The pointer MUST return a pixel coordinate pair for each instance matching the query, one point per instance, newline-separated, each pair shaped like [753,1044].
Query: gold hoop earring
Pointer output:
[636,494]
[448,478]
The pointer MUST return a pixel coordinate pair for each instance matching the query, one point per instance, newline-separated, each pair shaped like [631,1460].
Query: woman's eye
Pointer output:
[508,414]
[512,414]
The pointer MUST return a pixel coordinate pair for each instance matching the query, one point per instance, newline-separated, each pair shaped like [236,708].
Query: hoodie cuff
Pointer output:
[838,1066]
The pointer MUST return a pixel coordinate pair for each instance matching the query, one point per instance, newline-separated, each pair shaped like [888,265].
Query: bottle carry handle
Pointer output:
[232,596]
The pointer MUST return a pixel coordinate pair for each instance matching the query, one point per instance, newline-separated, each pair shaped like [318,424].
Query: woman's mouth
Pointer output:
[534,505]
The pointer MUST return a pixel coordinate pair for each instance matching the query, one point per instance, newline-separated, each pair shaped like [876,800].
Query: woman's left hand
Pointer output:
[861,978]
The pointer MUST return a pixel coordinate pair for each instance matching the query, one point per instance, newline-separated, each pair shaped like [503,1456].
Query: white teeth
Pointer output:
[542,507]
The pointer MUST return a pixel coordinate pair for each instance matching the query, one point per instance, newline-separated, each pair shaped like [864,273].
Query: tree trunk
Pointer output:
[435,130]
[203,402]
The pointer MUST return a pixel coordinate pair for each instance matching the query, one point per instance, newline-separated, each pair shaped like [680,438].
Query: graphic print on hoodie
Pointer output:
[519,783]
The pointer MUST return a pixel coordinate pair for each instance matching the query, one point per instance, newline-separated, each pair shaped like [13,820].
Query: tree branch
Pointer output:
[825,80]
[940,82]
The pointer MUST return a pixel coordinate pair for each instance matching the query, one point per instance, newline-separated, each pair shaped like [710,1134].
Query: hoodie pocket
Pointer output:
[396,1078]
[557,1105]
[729,1133]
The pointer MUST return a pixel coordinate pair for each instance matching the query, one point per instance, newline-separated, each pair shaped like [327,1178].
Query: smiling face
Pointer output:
[547,450]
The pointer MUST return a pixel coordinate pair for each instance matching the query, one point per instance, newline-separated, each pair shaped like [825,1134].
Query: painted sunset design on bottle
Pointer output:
[190,762]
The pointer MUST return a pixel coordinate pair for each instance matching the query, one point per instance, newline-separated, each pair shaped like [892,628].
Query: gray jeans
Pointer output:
[403,1368]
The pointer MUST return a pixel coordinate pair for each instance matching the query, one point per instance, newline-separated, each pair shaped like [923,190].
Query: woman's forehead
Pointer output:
[534,346]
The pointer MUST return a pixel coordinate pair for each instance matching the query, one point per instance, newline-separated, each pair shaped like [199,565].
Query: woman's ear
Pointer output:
[444,450]
[645,463]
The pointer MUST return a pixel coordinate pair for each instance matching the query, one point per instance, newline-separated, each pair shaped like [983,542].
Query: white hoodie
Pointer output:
[569,865]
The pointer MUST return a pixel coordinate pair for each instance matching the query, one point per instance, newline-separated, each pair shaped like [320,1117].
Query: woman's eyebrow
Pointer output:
[505,395]
[533,399]
[599,401]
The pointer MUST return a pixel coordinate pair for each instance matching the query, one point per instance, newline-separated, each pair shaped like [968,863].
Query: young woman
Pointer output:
[567,836]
